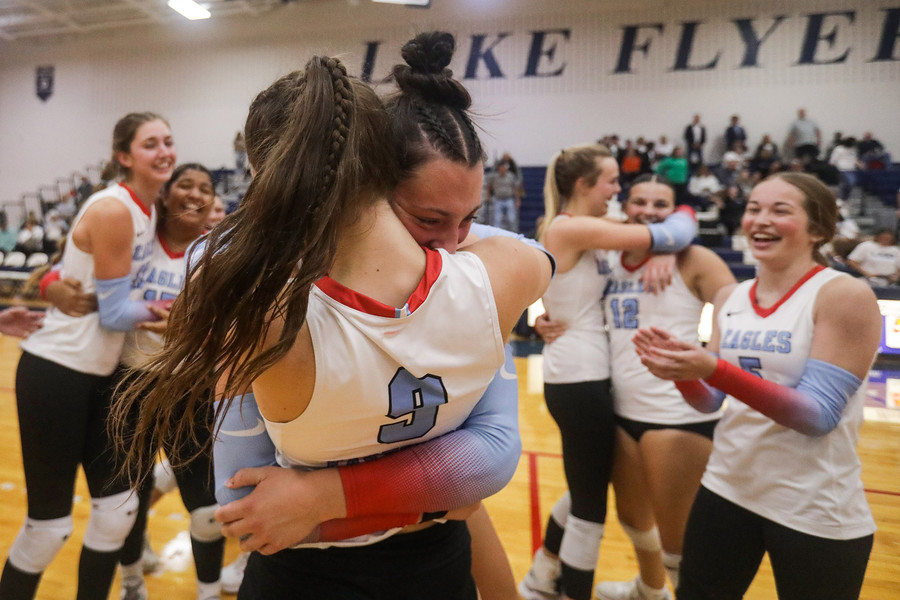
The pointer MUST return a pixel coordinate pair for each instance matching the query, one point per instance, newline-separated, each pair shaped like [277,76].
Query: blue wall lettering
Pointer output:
[629,45]
[685,45]
[889,34]
[751,41]
[479,53]
[537,50]
[369,61]
[814,35]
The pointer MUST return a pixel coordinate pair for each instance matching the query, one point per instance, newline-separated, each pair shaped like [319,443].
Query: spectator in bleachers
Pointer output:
[31,235]
[728,171]
[703,184]
[804,137]
[84,190]
[217,213]
[8,236]
[55,229]
[766,144]
[735,133]
[872,152]
[68,206]
[845,159]
[675,169]
[632,164]
[878,260]
[694,140]
[506,197]
[762,161]
[664,147]
[745,181]
[733,203]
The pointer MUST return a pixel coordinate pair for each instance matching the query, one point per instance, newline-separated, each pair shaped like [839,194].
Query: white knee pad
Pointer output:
[38,543]
[647,541]
[163,477]
[560,510]
[204,527]
[581,543]
[111,519]
[672,563]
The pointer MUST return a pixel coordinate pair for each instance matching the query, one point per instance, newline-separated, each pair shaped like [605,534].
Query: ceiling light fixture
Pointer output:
[189,9]
[419,3]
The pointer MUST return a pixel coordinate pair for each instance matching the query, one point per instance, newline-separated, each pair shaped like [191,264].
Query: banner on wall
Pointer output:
[44,82]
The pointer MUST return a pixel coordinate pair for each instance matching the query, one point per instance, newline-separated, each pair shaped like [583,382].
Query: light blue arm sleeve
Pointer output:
[486,231]
[117,311]
[831,388]
[674,234]
[241,442]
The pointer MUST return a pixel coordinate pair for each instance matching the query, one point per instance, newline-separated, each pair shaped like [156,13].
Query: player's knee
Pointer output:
[38,543]
[112,517]
[204,527]
[581,543]
[647,540]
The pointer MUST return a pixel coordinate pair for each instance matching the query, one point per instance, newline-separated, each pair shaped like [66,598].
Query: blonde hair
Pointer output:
[565,169]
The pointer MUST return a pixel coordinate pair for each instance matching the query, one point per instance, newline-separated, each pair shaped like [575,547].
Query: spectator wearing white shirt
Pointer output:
[845,159]
[877,260]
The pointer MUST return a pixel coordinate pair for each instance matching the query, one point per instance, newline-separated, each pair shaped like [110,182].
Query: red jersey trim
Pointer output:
[363,303]
[136,200]
[765,312]
[169,253]
[635,267]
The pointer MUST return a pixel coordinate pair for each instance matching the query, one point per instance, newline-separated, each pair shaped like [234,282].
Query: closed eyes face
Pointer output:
[439,203]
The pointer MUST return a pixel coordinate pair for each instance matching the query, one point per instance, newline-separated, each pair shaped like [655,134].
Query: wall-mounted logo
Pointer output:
[44,82]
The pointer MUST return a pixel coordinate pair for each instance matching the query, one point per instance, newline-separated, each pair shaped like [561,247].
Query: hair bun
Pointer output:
[426,74]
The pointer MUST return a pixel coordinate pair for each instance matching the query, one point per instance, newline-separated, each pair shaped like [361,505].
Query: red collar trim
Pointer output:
[363,303]
[136,200]
[165,246]
[765,312]
[635,267]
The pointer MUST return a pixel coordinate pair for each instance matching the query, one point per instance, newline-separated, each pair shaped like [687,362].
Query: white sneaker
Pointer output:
[542,580]
[233,574]
[133,588]
[149,559]
[628,590]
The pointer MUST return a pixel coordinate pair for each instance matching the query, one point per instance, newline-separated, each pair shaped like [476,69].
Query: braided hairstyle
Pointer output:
[321,146]
[429,114]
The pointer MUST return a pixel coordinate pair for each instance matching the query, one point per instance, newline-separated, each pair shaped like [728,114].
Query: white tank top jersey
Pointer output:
[80,343]
[160,279]
[389,377]
[574,298]
[810,484]
[638,394]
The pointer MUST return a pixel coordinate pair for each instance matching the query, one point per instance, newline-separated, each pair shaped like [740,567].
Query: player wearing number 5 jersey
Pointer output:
[318,208]
[783,477]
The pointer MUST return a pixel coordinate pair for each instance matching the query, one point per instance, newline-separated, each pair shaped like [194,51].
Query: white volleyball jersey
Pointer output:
[388,377]
[810,484]
[160,279]
[574,298]
[80,343]
[639,395]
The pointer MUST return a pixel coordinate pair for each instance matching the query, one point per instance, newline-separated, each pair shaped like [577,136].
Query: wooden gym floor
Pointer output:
[519,511]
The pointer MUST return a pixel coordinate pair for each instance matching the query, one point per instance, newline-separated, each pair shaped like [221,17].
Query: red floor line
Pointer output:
[535,502]
[533,455]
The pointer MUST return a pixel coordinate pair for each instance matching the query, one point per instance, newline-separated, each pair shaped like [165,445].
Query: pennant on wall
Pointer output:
[44,82]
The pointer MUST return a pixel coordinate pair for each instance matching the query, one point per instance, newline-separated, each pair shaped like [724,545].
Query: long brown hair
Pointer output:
[820,205]
[320,142]
[123,134]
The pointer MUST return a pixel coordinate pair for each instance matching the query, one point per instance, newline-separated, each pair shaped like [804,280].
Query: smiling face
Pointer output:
[776,223]
[439,203]
[189,199]
[607,186]
[649,202]
[151,154]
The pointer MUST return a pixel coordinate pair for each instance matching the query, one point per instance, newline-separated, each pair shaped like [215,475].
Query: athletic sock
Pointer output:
[95,573]
[18,584]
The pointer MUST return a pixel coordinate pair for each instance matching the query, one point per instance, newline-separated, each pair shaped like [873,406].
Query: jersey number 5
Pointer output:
[415,400]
